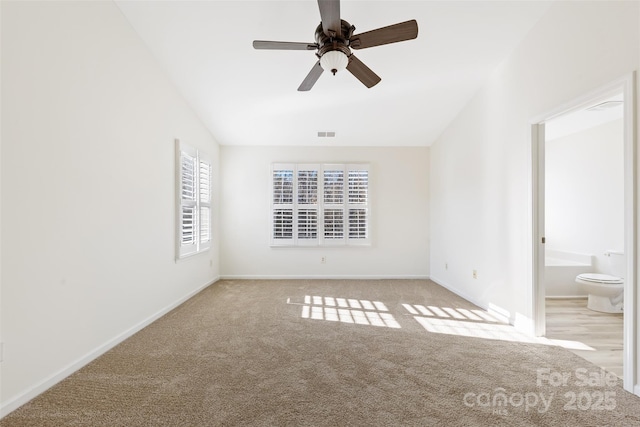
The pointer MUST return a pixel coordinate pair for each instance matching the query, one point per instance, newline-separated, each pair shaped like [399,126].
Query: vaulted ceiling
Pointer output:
[249,97]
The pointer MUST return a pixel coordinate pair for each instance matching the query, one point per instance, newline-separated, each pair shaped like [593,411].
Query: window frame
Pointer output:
[323,204]
[201,201]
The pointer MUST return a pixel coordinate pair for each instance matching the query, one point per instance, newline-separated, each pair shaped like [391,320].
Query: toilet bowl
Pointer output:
[605,291]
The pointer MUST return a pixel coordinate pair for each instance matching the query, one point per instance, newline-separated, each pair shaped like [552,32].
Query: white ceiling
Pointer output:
[249,97]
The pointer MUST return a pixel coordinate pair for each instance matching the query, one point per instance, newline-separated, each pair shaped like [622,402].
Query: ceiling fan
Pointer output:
[334,41]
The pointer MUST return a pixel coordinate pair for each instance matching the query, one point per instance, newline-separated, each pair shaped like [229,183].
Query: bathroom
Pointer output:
[584,217]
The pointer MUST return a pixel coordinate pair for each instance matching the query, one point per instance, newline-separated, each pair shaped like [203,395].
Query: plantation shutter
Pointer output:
[306,209]
[333,208]
[194,199]
[358,204]
[204,202]
[187,222]
[282,204]
[319,204]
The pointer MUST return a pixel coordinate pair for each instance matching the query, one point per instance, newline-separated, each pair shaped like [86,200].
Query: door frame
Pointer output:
[626,85]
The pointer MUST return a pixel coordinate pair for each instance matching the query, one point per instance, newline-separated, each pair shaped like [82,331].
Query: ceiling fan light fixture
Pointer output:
[334,61]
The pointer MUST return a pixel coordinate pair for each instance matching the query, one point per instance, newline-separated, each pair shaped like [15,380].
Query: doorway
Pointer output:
[567,119]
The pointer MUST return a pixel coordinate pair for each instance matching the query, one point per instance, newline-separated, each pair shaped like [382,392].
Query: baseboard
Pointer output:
[636,389]
[52,380]
[321,277]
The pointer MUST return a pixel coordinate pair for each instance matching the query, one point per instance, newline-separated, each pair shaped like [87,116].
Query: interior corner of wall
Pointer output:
[523,324]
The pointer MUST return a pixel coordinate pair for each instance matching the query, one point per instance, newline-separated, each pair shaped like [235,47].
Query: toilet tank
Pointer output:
[616,263]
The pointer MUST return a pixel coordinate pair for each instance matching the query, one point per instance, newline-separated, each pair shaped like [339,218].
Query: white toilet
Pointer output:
[606,291]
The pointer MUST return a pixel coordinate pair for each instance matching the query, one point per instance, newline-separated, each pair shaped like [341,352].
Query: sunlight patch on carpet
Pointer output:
[448,312]
[466,322]
[474,329]
[478,324]
[348,310]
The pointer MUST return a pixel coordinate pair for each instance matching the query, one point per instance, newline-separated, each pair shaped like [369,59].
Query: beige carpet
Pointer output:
[331,353]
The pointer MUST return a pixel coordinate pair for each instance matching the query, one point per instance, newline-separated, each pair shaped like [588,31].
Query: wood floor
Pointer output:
[571,320]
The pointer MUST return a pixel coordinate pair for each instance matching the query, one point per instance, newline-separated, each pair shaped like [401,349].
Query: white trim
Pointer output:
[322,277]
[538,293]
[14,403]
[587,99]
[631,305]
[627,85]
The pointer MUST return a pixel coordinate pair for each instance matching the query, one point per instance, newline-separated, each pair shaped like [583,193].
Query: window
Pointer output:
[314,204]
[194,200]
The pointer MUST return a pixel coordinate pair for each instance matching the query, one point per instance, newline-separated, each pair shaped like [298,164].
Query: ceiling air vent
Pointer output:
[325,134]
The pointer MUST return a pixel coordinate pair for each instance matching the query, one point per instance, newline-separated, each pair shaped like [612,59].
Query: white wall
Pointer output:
[88,188]
[584,192]
[399,221]
[481,203]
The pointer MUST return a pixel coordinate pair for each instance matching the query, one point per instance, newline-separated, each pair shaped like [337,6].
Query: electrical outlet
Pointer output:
[446,265]
[475,274]
[323,260]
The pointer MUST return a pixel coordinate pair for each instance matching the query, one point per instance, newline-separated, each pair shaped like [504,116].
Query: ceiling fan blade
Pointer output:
[362,72]
[392,34]
[311,78]
[265,44]
[330,17]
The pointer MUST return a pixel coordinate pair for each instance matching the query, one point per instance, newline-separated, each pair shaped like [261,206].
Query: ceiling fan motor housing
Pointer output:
[333,41]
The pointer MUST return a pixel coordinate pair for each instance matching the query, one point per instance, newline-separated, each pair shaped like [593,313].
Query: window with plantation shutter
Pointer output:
[204,189]
[333,186]
[307,223]
[194,201]
[333,207]
[187,198]
[283,224]
[307,204]
[315,205]
[358,203]
[333,224]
